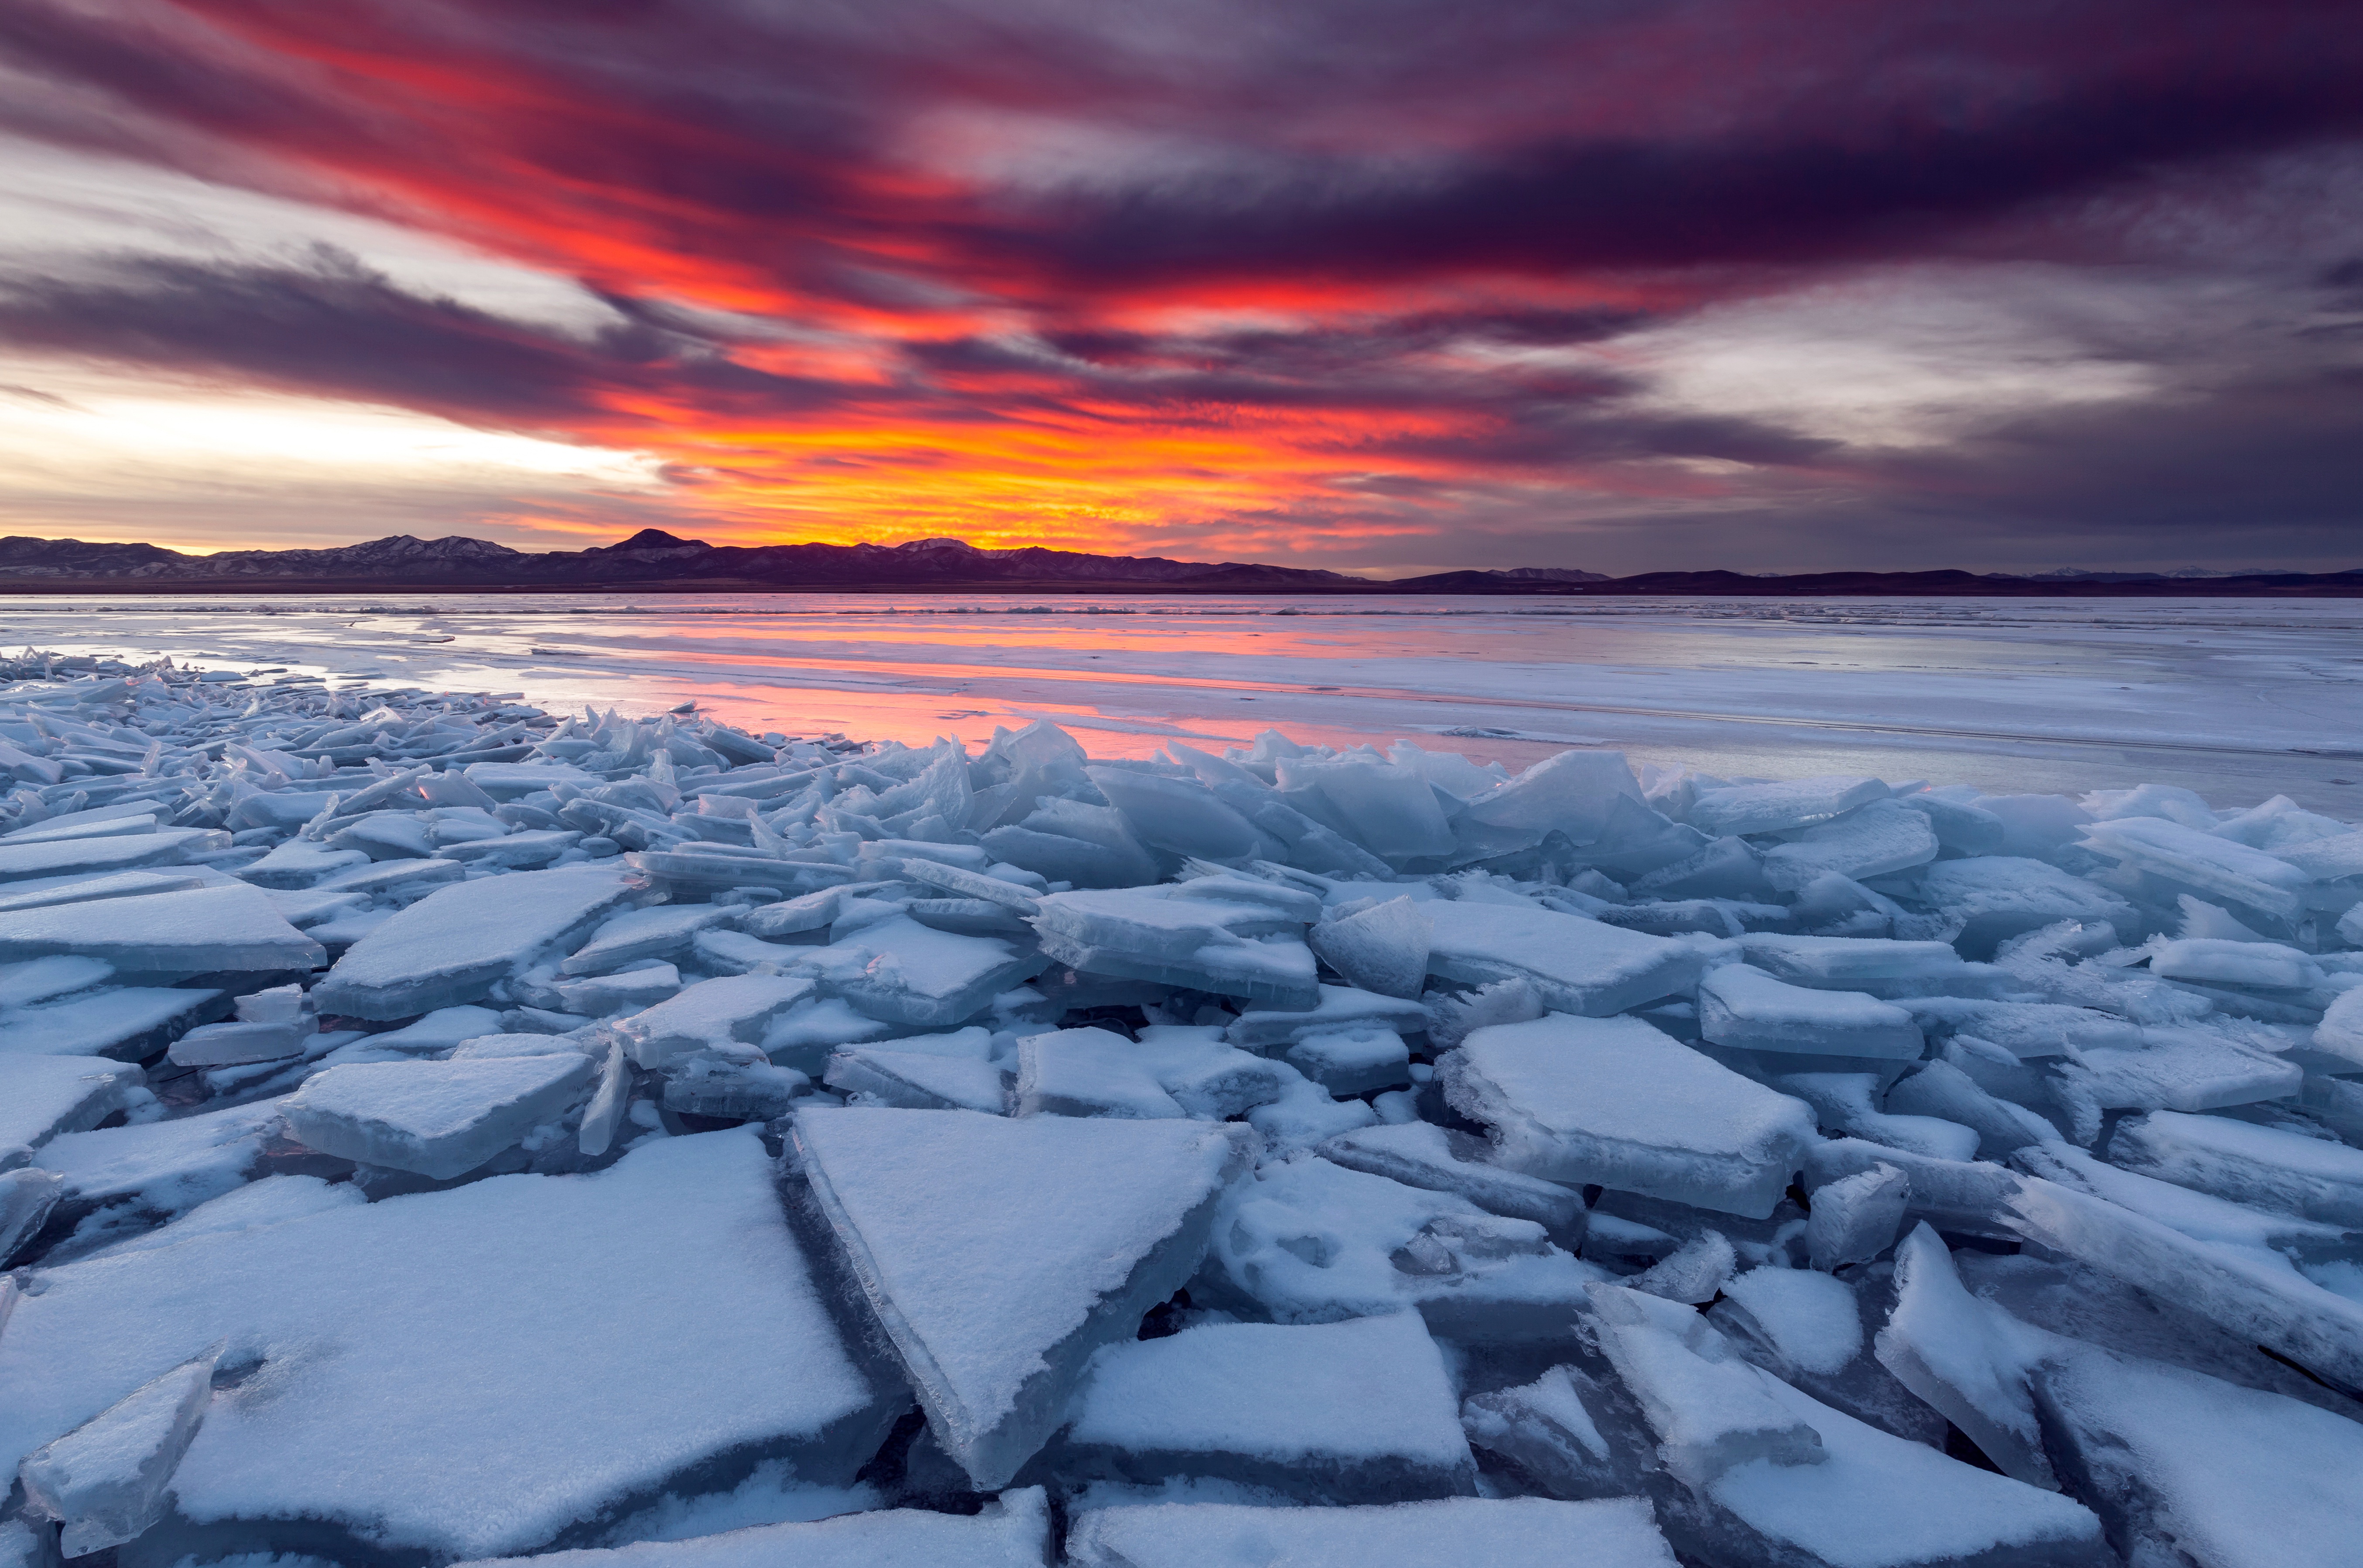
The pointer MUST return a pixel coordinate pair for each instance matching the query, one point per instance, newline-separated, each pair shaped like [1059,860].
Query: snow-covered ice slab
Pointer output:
[492,1369]
[164,1167]
[1840,963]
[1575,965]
[1088,1072]
[1355,1060]
[196,932]
[917,1080]
[2001,896]
[1881,1501]
[1011,1531]
[998,1253]
[2186,1467]
[2261,1299]
[438,1119]
[41,1097]
[927,978]
[1774,1476]
[1450,1533]
[450,946]
[105,1480]
[1308,1242]
[234,1044]
[663,931]
[127,1022]
[1616,1103]
[1360,1411]
[98,857]
[41,892]
[1233,948]
[2219,867]
[739,1009]
[1743,1007]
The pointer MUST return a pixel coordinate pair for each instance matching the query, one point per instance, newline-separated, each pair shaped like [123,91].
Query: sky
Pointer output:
[1374,285]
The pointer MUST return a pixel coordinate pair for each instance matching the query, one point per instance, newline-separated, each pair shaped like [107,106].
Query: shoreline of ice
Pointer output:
[433,1130]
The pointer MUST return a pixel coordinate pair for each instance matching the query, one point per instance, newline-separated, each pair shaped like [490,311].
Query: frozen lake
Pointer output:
[2236,699]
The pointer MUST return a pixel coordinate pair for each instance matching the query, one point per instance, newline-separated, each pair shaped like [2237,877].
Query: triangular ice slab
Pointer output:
[999,1254]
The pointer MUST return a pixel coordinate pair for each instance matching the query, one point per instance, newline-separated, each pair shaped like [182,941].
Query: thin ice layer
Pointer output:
[1617,1103]
[2265,1166]
[1422,1154]
[471,1372]
[1000,1253]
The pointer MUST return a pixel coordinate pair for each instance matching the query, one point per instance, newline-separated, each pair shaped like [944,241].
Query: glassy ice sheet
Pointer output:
[2236,699]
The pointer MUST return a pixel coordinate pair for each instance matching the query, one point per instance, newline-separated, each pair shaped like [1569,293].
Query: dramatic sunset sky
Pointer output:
[1378,286]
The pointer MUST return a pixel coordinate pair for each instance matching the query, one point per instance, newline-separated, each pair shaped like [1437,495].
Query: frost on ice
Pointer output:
[433,1131]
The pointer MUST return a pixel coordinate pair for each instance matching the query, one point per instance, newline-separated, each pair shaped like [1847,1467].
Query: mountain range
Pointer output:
[654,561]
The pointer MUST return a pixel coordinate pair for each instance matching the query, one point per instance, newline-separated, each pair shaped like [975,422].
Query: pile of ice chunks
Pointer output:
[434,1132]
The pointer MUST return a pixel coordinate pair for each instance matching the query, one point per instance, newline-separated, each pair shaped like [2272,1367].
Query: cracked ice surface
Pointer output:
[433,1130]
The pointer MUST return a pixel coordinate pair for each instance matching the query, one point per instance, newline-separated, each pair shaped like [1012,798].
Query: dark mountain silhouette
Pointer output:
[655,561]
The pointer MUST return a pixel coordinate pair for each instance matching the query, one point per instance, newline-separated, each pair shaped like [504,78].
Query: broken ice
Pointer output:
[436,1130]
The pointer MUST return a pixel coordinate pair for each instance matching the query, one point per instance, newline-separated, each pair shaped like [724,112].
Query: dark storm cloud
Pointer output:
[1352,139]
[337,328]
[1397,229]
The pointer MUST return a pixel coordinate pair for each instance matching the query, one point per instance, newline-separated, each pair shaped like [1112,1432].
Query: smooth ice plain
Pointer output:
[803,1081]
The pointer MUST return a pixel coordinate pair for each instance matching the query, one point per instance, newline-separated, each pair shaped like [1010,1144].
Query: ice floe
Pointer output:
[437,1130]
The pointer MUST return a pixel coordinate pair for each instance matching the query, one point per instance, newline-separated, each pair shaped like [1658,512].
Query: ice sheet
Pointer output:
[466,1372]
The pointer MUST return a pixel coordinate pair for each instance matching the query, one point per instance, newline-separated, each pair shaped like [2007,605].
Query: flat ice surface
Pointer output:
[1013,1531]
[1450,1533]
[2038,696]
[41,1097]
[167,1165]
[992,1247]
[437,1119]
[1878,1500]
[1613,1101]
[470,1371]
[2206,1470]
[189,933]
[450,946]
[1575,965]
[1367,1390]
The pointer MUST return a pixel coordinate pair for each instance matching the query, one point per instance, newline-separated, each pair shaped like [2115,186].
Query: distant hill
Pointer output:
[650,558]
[654,561]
